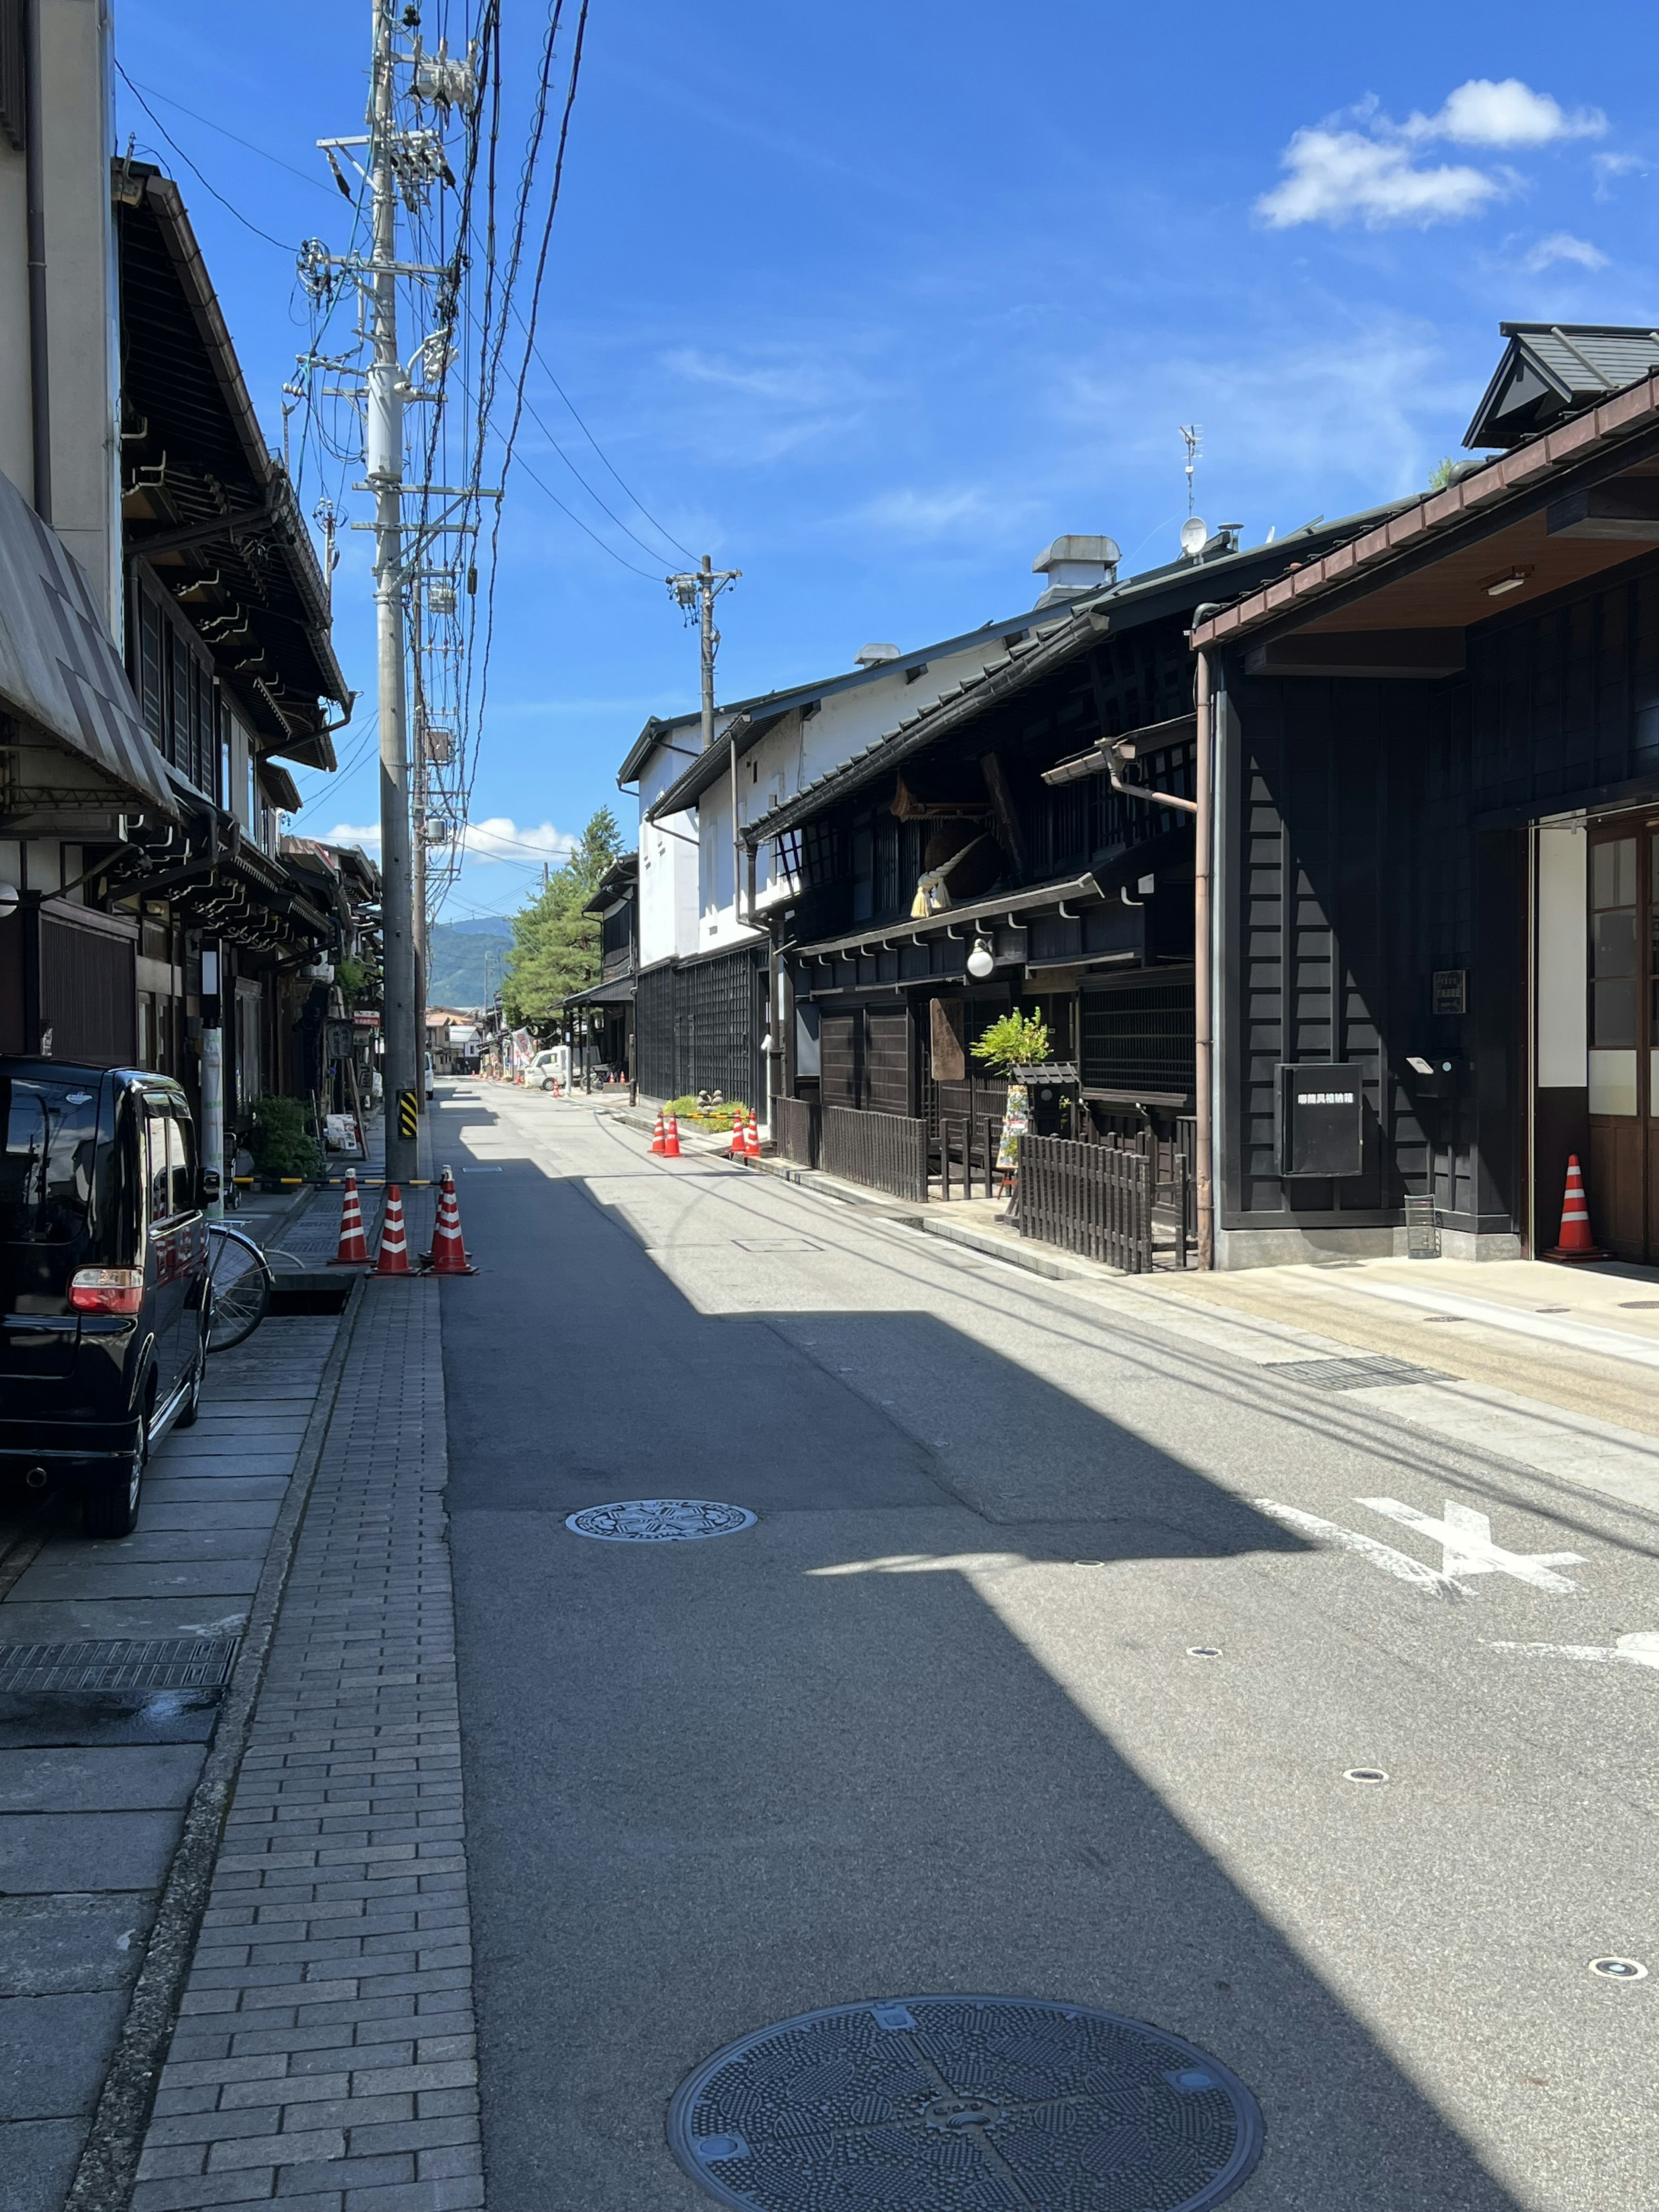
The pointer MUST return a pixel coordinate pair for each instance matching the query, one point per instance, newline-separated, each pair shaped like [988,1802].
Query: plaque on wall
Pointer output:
[1451,991]
[946,1041]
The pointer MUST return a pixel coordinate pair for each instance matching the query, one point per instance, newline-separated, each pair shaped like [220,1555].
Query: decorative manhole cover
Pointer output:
[659,1521]
[964,2105]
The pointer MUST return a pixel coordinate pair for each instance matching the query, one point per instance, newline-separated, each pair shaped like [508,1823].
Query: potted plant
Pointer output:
[1014,1040]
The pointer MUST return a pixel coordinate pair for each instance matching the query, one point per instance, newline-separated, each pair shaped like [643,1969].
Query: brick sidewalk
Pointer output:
[325,2052]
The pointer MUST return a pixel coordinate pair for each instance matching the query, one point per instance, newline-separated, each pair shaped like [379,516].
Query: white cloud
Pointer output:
[1336,175]
[1606,167]
[367,833]
[920,515]
[1336,172]
[1282,421]
[1509,113]
[498,837]
[1562,246]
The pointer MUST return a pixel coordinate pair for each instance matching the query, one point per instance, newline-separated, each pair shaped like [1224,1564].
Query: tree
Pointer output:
[556,946]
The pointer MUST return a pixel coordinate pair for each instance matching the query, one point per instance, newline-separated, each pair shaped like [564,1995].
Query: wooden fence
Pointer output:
[1092,1199]
[797,1123]
[887,1151]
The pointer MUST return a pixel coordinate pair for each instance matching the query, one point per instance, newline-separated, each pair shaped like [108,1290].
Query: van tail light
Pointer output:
[106,1290]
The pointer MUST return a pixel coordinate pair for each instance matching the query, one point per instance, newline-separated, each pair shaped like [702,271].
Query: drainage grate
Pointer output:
[959,2104]
[1361,1374]
[659,1521]
[170,1663]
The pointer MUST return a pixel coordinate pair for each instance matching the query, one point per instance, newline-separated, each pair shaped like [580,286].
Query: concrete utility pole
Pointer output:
[696,591]
[384,454]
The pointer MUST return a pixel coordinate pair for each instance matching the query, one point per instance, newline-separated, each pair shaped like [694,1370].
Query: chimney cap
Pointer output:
[1101,551]
[872,656]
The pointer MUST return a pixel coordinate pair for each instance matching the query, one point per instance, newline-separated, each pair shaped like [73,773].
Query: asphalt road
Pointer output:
[934,1723]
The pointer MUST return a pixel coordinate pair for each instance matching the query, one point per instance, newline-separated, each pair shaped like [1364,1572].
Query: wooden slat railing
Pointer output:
[886,1151]
[797,1122]
[1092,1199]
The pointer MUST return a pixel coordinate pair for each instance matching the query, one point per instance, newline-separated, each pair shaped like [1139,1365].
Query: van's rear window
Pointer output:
[49,1159]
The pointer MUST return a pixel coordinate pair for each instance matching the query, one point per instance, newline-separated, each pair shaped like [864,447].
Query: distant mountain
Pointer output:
[465,964]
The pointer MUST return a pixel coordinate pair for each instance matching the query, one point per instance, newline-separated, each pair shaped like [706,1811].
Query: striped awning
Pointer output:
[60,670]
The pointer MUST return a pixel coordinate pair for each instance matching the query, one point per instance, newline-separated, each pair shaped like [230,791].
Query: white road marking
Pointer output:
[1640,1649]
[1464,1537]
[1399,1564]
[929,1563]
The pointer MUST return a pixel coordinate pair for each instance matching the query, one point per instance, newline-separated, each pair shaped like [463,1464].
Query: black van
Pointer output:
[103,1278]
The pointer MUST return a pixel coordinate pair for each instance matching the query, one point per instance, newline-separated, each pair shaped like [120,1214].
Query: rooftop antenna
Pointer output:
[1193,433]
[1194,533]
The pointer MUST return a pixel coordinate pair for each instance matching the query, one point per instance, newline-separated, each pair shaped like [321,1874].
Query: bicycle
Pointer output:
[240,1284]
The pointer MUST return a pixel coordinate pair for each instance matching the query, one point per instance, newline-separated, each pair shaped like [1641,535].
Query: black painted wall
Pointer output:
[1375,832]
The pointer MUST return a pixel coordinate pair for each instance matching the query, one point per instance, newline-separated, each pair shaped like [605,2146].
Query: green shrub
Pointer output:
[714,1117]
[1016,1040]
[280,1142]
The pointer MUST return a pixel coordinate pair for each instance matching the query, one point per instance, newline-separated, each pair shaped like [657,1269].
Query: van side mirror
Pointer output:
[211,1187]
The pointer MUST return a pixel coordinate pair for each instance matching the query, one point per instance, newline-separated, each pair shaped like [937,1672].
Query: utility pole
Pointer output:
[696,593]
[384,455]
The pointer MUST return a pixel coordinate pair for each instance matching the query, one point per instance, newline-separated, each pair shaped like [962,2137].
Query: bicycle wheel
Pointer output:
[238,1286]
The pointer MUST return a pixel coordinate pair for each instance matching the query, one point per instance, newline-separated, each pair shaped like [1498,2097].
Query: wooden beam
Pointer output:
[1360,652]
[996,783]
[1628,508]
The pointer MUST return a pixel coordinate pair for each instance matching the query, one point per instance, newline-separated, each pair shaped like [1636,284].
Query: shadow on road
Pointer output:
[711,1786]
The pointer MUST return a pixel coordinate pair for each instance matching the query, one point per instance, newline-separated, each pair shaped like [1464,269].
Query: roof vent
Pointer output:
[872,656]
[1076,565]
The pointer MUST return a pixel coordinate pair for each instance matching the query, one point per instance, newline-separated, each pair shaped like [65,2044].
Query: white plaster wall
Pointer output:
[1563,931]
[668,867]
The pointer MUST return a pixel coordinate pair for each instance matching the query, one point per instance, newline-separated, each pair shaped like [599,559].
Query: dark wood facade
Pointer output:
[1447,879]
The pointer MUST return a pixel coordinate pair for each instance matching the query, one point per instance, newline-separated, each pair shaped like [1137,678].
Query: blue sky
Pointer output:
[871,302]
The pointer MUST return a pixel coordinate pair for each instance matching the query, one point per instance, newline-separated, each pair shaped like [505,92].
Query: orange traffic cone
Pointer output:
[354,1250]
[735,1150]
[448,1252]
[670,1150]
[658,1140]
[751,1143]
[1576,1241]
[394,1246]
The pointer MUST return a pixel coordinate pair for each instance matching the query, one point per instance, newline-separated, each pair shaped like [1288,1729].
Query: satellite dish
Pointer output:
[1195,536]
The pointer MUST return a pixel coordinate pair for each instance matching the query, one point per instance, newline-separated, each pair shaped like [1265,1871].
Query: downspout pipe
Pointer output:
[34,186]
[1203,968]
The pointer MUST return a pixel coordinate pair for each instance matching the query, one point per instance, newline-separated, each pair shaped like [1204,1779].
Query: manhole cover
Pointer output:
[174,1663]
[964,2105]
[1363,1373]
[659,1521]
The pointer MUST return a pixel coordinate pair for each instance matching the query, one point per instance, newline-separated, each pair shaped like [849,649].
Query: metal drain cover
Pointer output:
[1363,1373]
[173,1662]
[964,2105]
[659,1521]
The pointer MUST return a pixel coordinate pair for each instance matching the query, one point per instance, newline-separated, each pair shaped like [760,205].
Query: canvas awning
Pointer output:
[61,675]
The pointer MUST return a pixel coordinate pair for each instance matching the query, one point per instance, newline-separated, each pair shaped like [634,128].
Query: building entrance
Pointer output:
[1623,932]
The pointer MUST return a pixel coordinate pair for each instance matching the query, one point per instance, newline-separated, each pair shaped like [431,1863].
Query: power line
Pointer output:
[167,100]
[661,529]
[281,244]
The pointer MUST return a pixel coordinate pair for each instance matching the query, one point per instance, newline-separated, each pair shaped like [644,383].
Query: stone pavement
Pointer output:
[324,2055]
[95,1782]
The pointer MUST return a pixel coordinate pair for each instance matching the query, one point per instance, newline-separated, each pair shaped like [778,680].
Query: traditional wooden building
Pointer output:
[1026,839]
[606,1008]
[1433,754]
